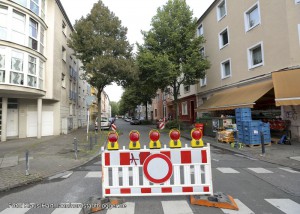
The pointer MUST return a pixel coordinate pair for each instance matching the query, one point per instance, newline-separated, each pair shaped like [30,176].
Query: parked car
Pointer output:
[105,124]
[112,120]
[128,119]
[135,121]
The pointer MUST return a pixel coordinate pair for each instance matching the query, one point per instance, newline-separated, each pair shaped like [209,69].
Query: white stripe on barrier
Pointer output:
[182,175]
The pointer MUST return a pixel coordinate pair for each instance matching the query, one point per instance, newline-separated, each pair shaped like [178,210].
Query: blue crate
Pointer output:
[251,142]
[242,114]
[252,125]
[243,110]
[243,118]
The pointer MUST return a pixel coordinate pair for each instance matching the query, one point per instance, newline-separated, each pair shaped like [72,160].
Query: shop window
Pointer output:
[252,17]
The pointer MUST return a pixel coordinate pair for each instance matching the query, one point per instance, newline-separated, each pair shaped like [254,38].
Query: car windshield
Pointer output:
[104,119]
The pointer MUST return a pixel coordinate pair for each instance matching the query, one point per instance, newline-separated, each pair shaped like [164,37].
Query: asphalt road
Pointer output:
[258,187]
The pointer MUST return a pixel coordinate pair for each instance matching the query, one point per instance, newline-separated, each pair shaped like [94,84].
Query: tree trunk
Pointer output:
[146,111]
[99,109]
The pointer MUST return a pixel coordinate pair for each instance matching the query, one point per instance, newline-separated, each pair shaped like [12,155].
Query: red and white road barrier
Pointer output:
[145,172]
[113,127]
[162,125]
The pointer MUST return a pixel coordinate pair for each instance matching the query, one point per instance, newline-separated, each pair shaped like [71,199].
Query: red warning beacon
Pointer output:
[154,136]
[134,137]
[196,135]
[175,138]
[112,141]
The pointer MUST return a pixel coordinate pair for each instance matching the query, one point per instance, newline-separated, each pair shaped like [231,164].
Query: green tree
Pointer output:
[170,55]
[129,100]
[114,108]
[99,41]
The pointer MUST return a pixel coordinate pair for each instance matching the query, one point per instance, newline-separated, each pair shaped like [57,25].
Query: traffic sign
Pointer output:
[158,168]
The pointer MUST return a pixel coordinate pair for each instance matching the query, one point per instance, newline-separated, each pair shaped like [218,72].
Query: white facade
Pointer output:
[41,93]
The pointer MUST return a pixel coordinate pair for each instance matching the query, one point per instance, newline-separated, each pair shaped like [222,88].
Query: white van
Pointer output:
[105,124]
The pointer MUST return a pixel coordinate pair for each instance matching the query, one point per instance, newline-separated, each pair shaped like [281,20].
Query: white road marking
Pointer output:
[15,211]
[285,205]
[215,160]
[23,159]
[129,209]
[288,170]
[75,208]
[176,207]
[243,209]
[227,170]
[94,175]
[98,163]
[244,156]
[67,175]
[297,158]
[260,170]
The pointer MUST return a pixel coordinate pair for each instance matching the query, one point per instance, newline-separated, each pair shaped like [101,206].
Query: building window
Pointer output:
[31,77]
[226,69]
[202,52]
[155,114]
[203,81]
[21,2]
[41,74]
[16,75]
[71,109]
[64,28]
[200,31]
[3,22]
[184,108]
[2,66]
[64,54]
[223,38]
[252,17]
[186,89]
[33,34]
[43,6]
[18,28]
[255,56]
[34,6]
[299,31]
[42,40]
[221,10]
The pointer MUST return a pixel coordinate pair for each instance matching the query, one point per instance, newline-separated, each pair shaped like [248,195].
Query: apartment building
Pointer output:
[41,91]
[248,42]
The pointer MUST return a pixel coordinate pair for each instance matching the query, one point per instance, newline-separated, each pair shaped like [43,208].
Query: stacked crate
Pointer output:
[249,130]
[242,115]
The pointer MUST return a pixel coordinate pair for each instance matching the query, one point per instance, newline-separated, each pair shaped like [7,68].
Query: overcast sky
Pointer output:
[136,15]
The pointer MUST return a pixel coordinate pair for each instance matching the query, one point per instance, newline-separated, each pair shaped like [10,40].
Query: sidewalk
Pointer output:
[47,157]
[284,155]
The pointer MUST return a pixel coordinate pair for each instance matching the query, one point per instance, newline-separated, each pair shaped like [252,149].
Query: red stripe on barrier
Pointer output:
[187,189]
[125,191]
[107,191]
[167,153]
[124,158]
[143,156]
[107,159]
[186,157]
[205,189]
[145,190]
[204,156]
[166,189]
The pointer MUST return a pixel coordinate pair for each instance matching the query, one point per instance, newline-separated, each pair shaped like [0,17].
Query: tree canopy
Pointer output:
[100,42]
[170,55]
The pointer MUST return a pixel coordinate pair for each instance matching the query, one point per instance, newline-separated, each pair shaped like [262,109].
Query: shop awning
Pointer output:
[238,97]
[287,87]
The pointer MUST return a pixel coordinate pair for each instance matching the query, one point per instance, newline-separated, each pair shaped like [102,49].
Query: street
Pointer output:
[257,186]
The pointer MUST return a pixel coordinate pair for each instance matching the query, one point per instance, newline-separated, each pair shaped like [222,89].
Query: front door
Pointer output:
[12,123]
[192,117]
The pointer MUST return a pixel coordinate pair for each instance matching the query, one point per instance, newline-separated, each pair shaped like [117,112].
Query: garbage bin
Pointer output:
[200,126]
